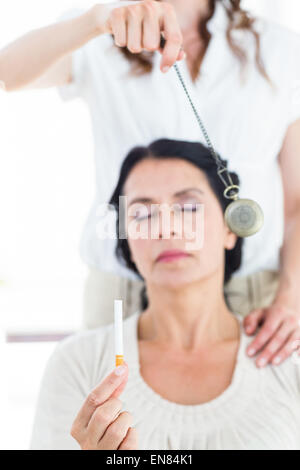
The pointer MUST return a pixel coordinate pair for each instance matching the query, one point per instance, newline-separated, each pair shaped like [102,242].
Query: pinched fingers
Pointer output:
[138,27]
[151,31]
[131,440]
[102,417]
[116,432]
[118,26]
[134,30]
[108,388]
[173,36]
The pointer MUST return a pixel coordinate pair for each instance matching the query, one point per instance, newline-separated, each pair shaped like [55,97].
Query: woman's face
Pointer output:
[172,244]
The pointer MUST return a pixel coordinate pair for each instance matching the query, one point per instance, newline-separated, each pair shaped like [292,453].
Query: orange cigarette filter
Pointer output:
[119,360]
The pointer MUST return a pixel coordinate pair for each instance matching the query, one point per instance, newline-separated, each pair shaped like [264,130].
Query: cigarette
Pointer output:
[119,333]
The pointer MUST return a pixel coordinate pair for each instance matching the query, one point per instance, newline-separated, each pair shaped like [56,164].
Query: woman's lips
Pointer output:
[168,256]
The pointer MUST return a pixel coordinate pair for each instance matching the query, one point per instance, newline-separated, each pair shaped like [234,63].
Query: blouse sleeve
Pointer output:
[74,88]
[62,392]
[295,79]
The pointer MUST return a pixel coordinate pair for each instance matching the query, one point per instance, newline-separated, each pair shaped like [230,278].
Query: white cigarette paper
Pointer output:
[118,328]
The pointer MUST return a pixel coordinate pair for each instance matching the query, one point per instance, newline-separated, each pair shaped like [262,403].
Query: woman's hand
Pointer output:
[99,424]
[279,335]
[138,25]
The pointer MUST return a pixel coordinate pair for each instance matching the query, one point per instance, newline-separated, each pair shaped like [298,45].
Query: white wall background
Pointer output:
[285,12]
[46,188]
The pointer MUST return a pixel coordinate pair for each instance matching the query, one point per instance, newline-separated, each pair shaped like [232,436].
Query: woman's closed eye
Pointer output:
[146,213]
[189,207]
[142,213]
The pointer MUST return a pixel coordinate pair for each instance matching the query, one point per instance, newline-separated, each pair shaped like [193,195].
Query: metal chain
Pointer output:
[221,166]
[231,189]
[204,131]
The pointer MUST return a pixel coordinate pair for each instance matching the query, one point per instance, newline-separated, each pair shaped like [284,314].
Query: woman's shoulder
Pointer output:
[84,337]
[276,36]
[271,27]
[279,49]
[281,381]
[284,376]
[288,374]
[85,343]
[81,358]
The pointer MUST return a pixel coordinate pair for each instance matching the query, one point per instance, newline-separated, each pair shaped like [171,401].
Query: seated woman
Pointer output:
[187,382]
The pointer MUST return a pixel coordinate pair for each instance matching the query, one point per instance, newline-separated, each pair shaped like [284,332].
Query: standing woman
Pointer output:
[242,74]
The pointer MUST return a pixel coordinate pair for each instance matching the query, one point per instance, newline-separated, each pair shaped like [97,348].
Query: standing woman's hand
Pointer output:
[99,424]
[279,336]
[138,25]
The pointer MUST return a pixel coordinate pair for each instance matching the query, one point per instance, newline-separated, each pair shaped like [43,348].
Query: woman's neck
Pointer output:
[185,319]
[189,12]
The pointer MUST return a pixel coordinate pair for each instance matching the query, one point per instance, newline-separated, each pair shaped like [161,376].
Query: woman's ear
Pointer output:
[230,239]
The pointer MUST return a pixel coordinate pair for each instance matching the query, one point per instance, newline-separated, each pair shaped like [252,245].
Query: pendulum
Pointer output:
[244,217]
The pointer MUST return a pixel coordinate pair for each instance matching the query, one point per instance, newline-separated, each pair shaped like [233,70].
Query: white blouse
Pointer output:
[260,409]
[246,122]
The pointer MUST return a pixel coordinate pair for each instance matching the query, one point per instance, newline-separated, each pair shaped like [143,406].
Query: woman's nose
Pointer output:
[172,234]
[169,226]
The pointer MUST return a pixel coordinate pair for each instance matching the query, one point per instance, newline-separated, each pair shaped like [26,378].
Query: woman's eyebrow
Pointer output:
[140,199]
[188,190]
[179,193]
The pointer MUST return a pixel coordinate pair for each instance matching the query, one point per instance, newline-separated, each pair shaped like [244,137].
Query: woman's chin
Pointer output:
[175,277]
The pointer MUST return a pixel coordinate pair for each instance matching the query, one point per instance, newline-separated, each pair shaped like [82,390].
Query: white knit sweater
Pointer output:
[259,410]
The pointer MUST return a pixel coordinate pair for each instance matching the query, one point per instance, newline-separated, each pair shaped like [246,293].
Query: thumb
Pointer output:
[117,392]
[252,320]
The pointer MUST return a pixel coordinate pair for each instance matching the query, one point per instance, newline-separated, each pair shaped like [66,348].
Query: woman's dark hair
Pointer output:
[195,153]
[238,19]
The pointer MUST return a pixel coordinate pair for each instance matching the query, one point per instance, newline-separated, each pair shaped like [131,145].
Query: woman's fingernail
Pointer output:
[251,352]
[165,68]
[120,370]
[262,362]
[276,360]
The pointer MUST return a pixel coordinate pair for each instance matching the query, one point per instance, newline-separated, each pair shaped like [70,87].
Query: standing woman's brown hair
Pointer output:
[238,19]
